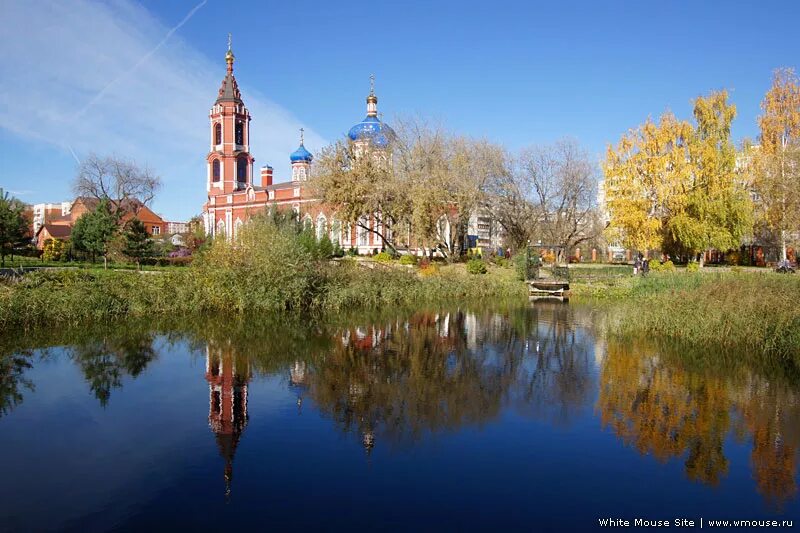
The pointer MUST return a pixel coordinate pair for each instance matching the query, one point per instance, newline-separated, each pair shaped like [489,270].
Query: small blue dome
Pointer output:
[301,154]
[374,130]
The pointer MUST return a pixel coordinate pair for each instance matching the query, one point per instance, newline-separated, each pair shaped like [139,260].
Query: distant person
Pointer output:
[645,267]
[637,264]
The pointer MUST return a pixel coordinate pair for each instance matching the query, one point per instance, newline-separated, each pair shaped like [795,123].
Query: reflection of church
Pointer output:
[227,411]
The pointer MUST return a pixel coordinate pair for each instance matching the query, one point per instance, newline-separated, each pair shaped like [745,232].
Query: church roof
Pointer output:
[301,154]
[229,90]
[372,129]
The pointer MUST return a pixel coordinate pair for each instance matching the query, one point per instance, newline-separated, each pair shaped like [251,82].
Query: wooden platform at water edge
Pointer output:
[547,287]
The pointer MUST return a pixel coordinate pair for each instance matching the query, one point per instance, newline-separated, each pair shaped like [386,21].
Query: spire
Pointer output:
[372,100]
[229,90]
[229,57]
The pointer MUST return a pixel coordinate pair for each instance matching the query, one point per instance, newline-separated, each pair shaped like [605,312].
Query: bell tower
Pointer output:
[230,165]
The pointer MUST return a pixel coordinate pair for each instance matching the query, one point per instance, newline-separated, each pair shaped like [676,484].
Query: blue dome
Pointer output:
[374,130]
[301,154]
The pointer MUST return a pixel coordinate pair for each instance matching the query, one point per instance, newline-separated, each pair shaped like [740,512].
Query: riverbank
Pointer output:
[756,313]
[49,298]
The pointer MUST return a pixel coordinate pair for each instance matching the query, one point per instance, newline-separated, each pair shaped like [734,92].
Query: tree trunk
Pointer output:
[783,245]
[105,263]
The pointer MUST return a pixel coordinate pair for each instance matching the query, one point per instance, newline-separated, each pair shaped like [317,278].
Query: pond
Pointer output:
[508,417]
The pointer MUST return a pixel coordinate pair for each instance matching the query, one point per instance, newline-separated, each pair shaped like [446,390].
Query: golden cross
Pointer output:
[372,84]
[301,135]
[229,42]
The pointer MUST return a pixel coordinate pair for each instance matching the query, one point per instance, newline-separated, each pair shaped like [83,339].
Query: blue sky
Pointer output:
[136,79]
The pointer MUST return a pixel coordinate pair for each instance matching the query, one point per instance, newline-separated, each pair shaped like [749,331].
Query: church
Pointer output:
[235,193]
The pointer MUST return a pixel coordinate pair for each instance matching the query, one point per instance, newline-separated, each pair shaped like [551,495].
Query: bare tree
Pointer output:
[508,199]
[563,182]
[126,186]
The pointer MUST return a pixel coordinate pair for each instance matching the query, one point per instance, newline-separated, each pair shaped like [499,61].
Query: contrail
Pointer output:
[141,60]
[73,154]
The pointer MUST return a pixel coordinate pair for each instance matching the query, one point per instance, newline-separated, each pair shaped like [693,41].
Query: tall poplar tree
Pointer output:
[13,224]
[715,212]
[777,164]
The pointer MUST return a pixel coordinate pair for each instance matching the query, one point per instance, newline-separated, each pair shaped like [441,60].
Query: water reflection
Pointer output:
[106,360]
[663,409]
[395,381]
[227,376]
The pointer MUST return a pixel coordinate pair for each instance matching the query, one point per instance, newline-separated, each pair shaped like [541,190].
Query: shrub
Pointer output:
[428,270]
[694,266]
[476,266]
[667,266]
[408,259]
[325,247]
[178,260]
[308,240]
[352,252]
[268,267]
[383,257]
[501,262]
[53,249]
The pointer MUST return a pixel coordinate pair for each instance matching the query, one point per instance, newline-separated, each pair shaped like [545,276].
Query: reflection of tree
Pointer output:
[104,361]
[771,411]
[441,371]
[555,375]
[405,381]
[12,380]
[658,406]
[662,410]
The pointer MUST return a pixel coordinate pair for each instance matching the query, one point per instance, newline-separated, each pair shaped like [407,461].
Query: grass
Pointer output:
[746,313]
[20,261]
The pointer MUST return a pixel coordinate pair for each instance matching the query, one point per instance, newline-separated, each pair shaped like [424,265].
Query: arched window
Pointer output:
[362,231]
[237,226]
[239,132]
[218,134]
[215,172]
[241,170]
[308,223]
[220,229]
[336,232]
[322,226]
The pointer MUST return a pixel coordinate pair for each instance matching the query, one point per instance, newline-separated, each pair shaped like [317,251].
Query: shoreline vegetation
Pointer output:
[746,313]
[272,267]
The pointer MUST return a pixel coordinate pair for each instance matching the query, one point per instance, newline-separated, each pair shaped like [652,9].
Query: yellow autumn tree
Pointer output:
[715,212]
[646,175]
[776,168]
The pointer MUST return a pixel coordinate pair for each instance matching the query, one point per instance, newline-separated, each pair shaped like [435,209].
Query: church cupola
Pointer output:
[372,131]
[301,161]
[230,165]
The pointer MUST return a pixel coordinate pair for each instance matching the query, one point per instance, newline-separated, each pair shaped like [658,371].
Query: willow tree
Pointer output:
[715,212]
[356,185]
[777,165]
[645,176]
[446,176]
